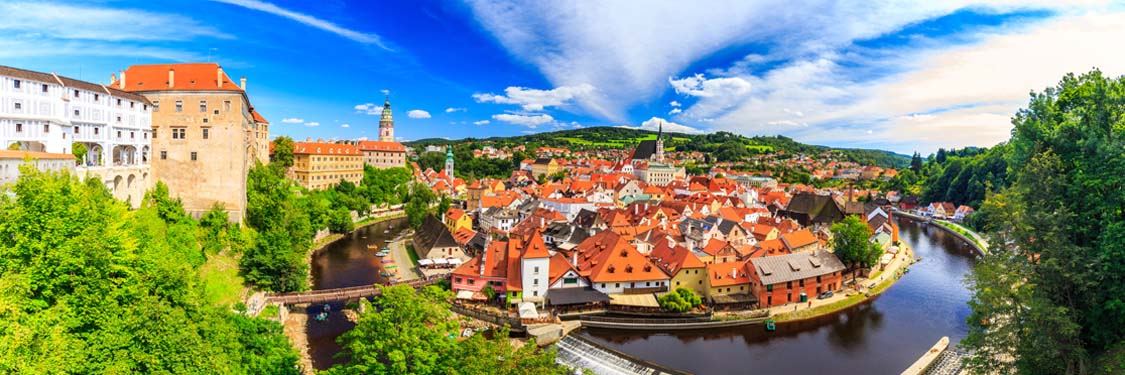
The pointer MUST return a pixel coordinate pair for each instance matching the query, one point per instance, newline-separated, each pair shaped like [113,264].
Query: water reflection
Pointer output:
[884,335]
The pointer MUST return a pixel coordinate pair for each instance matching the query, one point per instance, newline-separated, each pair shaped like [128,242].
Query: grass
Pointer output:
[962,231]
[222,286]
[269,312]
[412,254]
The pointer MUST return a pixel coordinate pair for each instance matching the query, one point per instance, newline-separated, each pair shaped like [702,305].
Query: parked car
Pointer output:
[825,295]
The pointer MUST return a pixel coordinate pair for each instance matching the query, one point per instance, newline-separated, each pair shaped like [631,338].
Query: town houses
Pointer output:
[604,235]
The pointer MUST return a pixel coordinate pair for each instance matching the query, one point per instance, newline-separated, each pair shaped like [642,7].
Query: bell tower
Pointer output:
[387,123]
[660,142]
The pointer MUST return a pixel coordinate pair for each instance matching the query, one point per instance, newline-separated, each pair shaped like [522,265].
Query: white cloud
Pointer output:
[368,108]
[675,111]
[361,37]
[452,109]
[655,123]
[292,120]
[345,126]
[63,21]
[417,113]
[481,122]
[531,121]
[537,100]
[312,124]
[699,86]
[675,104]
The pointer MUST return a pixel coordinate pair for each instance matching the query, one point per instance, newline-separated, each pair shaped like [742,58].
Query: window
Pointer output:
[536,272]
[75,130]
[457,279]
[46,128]
[179,133]
[19,128]
[216,111]
[156,106]
[76,113]
[769,288]
[788,285]
[202,106]
[95,131]
[132,135]
[163,155]
[802,283]
[16,83]
[75,93]
[19,106]
[118,134]
[118,102]
[118,119]
[226,105]
[204,120]
[206,133]
[179,106]
[132,105]
[96,96]
[535,293]
[44,88]
[194,156]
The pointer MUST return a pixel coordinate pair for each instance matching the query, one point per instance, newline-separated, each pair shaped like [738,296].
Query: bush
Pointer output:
[680,300]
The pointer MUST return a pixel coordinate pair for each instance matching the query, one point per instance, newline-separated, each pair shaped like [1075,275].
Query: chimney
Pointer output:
[574,258]
[308,139]
[243,83]
[171,78]
[219,76]
[112,78]
[121,83]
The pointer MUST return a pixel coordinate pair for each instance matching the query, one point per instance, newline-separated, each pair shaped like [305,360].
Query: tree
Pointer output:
[916,162]
[941,156]
[680,300]
[15,146]
[78,149]
[283,151]
[411,332]
[88,286]
[340,221]
[1048,296]
[850,242]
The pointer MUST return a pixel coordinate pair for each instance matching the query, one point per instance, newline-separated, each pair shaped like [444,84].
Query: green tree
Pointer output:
[916,162]
[680,300]
[78,149]
[850,242]
[283,151]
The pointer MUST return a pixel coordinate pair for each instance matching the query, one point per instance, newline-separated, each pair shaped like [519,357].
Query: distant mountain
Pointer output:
[722,146]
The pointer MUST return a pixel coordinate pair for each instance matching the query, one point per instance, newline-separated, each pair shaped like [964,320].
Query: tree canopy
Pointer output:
[850,242]
[87,286]
[1049,297]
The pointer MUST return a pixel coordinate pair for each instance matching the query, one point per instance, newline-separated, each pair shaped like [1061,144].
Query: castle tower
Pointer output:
[386,123]
[660,142]
[449,161]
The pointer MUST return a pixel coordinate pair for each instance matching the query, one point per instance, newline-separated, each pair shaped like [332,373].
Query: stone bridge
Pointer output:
[341,294]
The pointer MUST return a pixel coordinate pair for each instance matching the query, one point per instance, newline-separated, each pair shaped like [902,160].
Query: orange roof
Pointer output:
[381,146]
[515,282]
[800,238]
[673,259]
[535,247]
[559,267]
[715,246]
[258,117]
[454,213]
[727,274]
[20,154]
[773,247]
[187,77]
[496,262]
[463,235]
[606,257]
[322,148]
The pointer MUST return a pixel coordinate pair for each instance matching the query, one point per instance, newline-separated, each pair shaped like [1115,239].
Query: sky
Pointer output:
[895,75]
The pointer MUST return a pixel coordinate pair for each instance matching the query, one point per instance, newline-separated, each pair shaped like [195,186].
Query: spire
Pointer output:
[387,101]
[660,130]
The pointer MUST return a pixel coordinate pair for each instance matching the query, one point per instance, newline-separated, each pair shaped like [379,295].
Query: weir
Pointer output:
[576,351]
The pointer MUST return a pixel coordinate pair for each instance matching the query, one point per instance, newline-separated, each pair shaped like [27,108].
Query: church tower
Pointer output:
[386,123]
[449,161]
[660,142]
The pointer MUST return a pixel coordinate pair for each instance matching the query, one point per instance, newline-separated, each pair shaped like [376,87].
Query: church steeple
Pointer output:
[660,142]
[449,161]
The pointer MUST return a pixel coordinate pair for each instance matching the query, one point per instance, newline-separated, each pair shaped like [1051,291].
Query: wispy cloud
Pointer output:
[368,109]
[345,126]
[361,37]
[656,123]
[65,21]
[535,99]
[417,113]
[452,109]
[312,124]
[293,120]
[481,122]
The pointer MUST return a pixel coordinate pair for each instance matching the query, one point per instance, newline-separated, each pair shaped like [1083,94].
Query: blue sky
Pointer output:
[901,76]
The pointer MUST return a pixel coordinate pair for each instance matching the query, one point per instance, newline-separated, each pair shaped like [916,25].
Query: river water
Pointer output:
[882,336]
[344,263]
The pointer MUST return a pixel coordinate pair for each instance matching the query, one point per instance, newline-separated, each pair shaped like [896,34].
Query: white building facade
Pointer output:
[45,112]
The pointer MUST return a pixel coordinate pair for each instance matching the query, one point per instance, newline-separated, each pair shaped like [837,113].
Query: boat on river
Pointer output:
[382,253]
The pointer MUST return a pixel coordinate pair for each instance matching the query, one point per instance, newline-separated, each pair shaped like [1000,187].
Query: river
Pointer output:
[881,336]
[346,262]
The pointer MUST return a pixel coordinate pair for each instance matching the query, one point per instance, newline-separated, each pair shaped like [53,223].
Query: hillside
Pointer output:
[723,146]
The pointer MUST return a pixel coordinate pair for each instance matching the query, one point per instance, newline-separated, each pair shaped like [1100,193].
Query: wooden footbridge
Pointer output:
[341,294]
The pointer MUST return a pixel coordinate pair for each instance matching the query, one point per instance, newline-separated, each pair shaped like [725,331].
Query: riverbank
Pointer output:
[841,301]
[974,239]
[323,242]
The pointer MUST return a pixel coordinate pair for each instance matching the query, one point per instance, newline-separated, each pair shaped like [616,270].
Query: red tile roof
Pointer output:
[322,148]
[381,146]
[187,77]
[606,257]
[258,117]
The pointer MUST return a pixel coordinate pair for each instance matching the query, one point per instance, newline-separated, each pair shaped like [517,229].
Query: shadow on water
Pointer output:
[344,263]
[880,336]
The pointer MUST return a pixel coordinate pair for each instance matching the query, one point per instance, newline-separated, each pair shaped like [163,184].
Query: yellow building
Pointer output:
[544,166]
[205,135]
[456,219]
[318,165]
[687,270]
